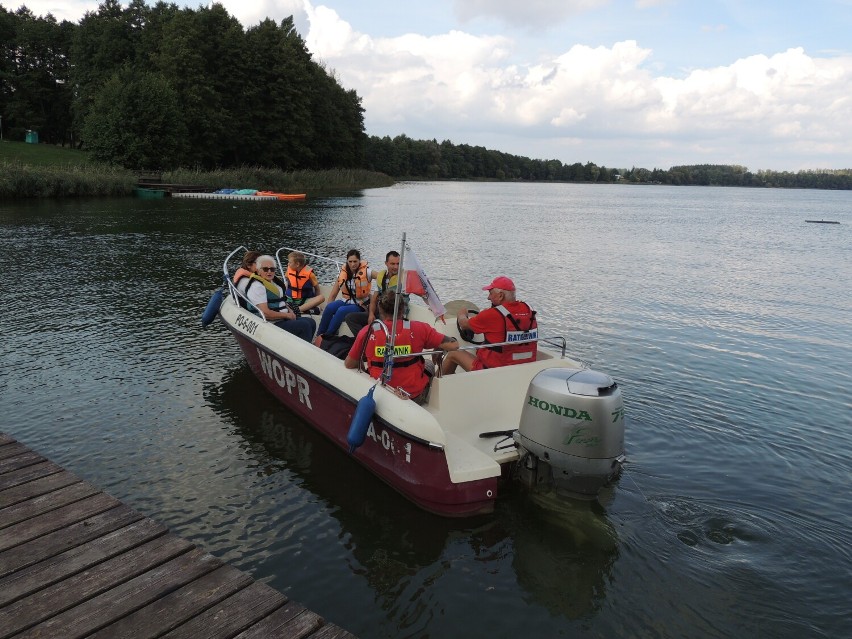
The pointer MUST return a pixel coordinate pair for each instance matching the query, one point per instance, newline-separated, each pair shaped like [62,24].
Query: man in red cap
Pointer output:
[509,324]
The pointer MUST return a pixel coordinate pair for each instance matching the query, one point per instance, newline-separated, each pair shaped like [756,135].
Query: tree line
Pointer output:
[403,157]
[160,87]
[157,87]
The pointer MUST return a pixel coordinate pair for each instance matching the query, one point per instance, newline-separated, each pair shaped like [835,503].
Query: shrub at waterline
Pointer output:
[43,170]
[23,180]
[265,179]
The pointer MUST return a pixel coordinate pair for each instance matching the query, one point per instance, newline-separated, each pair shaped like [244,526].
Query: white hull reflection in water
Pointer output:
[724,318]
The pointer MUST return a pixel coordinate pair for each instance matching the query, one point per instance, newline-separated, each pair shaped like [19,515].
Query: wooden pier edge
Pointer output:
[76,562]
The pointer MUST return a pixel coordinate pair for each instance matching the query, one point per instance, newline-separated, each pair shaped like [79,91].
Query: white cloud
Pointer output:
[788,97]
[459,86]
[71,11]
[251,12]
[528,13]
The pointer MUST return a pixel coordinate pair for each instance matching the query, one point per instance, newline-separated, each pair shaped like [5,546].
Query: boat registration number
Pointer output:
[248,325]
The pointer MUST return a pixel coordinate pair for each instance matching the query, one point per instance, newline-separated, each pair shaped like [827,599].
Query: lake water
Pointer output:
[724,317]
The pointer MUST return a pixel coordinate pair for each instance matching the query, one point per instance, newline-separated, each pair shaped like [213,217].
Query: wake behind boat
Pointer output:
[552,423]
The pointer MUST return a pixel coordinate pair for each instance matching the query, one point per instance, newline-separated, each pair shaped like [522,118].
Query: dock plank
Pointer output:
[177,607]
[233,615]
[54,569]
[89,616]
[36,487]
[19,461]
[45,503]
[51,544]
[293,621]
[28,474]
[330,631]
[48,602]
[56,519]
[76,562]
[12,449]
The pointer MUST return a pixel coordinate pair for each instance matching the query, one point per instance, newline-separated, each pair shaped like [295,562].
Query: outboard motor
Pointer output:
[571,435]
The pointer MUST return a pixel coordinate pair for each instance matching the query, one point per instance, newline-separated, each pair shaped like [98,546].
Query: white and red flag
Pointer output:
[417,283]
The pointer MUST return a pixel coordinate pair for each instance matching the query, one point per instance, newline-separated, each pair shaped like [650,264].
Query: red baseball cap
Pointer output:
[502,282]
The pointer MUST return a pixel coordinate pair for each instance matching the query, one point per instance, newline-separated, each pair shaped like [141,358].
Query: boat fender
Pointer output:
[361,420]
[212,308]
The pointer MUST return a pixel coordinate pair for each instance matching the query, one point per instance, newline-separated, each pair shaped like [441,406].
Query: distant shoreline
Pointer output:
[41,170]
[28,172]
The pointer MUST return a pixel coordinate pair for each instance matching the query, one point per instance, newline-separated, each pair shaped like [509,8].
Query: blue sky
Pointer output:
[650,83]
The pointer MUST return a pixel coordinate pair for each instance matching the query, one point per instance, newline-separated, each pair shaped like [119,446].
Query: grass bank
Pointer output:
[41,154]
[42,170]
[23,181]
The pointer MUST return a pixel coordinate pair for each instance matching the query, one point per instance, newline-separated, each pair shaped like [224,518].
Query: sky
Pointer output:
[766,84]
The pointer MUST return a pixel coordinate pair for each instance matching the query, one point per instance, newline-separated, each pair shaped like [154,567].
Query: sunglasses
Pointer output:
[267,268]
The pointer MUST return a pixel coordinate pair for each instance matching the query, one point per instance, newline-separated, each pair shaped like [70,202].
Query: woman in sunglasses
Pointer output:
[267,298]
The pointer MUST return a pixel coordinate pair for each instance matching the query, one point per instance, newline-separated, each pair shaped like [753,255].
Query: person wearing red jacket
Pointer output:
[408,373]
[508,320]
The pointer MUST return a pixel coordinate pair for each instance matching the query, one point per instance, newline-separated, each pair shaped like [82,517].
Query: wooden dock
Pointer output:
[76,562]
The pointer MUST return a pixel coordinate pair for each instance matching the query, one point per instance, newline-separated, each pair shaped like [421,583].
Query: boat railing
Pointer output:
[238,295]
[282,266]
[557,341]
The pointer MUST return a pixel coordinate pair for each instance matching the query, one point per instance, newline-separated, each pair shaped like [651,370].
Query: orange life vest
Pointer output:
[299,286]
[241,272]
[357,288]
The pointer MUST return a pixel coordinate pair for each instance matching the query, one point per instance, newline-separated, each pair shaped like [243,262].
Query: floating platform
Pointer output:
[822,222]
[226,196]
[76,562]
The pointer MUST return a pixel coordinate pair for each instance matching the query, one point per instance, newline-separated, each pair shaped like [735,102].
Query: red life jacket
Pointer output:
[408,372]
[520,327]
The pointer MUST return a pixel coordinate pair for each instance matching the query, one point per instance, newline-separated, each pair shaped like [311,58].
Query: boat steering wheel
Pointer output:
[467,334]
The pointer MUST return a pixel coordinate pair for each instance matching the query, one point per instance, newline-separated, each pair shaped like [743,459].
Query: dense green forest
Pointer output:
[157,87]
[160,87]
[431,160]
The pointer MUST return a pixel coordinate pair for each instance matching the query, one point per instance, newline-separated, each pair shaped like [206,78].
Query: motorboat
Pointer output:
[553,424]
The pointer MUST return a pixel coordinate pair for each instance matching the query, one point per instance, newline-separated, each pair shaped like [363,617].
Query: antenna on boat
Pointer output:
[389,347]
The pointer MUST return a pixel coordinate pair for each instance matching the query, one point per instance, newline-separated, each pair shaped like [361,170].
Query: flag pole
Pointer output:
[389,348]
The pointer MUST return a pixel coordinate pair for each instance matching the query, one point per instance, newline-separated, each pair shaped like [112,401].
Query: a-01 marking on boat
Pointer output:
[387,441]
